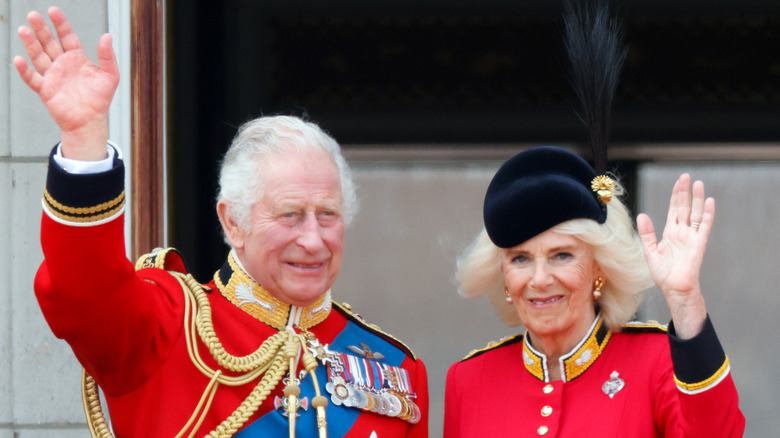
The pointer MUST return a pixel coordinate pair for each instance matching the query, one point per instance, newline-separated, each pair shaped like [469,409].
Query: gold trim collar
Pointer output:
[576,361]
[243,291]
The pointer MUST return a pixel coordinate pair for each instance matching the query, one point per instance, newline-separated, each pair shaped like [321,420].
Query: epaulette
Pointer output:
[168,259]
[346,310]
[650,326]
[493,345]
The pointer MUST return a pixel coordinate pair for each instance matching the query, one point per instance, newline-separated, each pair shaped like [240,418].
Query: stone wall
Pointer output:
[39,388]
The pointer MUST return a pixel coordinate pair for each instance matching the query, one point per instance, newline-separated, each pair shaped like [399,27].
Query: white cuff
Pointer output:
[82,167]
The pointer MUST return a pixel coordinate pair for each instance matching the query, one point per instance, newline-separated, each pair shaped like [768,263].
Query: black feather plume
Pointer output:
[594,44]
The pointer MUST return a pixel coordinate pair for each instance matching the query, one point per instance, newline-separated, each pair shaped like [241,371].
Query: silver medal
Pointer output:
[358,398]
[338,390]
[394,405]
[382,402]
[416,413]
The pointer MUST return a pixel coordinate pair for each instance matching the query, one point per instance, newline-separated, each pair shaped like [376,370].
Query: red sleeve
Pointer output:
[713,413]
[420,430]
[116,322]
[115,319]
[697,395]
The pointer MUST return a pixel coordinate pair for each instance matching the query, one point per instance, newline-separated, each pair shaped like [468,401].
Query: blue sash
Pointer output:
[339,418]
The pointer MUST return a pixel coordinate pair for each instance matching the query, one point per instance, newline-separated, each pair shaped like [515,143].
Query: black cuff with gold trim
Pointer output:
[698,359]
[84,197]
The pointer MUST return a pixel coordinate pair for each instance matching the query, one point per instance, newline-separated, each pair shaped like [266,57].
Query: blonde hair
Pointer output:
[616,248]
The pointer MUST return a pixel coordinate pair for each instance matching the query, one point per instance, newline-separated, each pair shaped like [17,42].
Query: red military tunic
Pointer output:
[616,385]
[127,328]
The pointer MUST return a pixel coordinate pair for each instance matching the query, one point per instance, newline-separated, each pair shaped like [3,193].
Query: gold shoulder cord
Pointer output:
[272,359]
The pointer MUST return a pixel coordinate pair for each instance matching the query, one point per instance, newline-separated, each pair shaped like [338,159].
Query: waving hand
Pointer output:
[76,92]
[675,262]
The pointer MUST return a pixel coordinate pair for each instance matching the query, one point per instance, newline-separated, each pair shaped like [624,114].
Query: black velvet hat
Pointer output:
[547,185]
[536,190]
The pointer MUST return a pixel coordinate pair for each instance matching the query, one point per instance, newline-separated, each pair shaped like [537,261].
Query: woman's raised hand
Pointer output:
[76,92]
[675,262]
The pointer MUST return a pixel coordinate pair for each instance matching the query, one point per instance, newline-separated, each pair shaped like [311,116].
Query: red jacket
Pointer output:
[126,327]
[619,385]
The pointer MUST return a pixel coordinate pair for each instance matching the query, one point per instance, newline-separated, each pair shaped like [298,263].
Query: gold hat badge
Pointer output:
[603,186]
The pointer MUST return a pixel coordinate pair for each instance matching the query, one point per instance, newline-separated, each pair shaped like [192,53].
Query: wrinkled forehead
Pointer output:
[301,175]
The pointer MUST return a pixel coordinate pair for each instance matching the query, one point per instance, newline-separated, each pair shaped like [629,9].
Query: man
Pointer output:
[259,351]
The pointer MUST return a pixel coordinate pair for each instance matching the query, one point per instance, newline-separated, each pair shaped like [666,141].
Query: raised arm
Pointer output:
[76,92]
[675,262]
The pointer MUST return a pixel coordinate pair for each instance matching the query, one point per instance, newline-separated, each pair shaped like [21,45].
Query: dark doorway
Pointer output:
[458,73]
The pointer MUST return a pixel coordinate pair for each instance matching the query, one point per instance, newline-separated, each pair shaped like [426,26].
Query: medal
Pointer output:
[382,403]
[359,398]
[367,384]
[394,405]
[416,414]
[280,404]
[407,412]
[370,403]
[339,391]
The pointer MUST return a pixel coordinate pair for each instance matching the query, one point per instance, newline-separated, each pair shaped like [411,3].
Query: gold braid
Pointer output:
[91,398]
[319,402]
[271,360]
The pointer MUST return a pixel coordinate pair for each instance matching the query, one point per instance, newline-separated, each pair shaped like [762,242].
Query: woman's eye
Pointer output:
[520,259]
[563,256]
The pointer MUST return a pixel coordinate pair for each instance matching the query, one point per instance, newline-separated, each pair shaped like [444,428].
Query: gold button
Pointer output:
[547,389]
[542,430]
[547,411]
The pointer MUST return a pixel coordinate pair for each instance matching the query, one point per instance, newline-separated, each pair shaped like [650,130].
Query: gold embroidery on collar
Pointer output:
[533,361]
[582,358]
[250,297]
[577,361]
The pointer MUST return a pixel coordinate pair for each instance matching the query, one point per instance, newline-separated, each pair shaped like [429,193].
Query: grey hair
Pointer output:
[617,251]
[240,177]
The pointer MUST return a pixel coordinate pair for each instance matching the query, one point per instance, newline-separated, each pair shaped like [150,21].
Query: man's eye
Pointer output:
[330,213]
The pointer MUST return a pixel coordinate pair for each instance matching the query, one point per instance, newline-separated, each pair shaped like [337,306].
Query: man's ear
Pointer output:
[233,231]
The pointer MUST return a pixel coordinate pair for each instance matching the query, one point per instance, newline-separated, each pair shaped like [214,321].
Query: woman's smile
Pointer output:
[545,302]
[550,280]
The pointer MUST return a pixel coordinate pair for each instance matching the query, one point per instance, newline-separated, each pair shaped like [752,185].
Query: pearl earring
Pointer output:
[509,299]
[597,285]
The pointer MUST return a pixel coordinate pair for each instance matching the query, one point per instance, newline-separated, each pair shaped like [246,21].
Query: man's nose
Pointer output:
[310,237]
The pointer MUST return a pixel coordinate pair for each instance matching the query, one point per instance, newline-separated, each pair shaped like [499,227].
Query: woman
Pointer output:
[559,254]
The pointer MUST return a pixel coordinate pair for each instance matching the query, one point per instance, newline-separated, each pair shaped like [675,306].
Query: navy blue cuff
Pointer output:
[699,359]
[84,197]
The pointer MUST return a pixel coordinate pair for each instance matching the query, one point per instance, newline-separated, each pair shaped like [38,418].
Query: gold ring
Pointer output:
[695,225]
